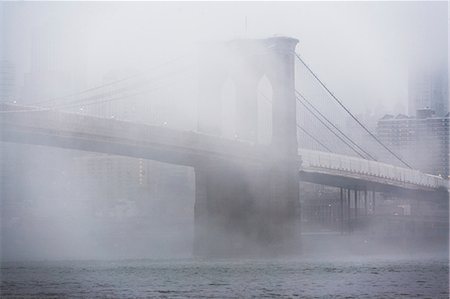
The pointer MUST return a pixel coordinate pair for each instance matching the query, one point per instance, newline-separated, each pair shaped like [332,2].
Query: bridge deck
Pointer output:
[333,166]
[82,132]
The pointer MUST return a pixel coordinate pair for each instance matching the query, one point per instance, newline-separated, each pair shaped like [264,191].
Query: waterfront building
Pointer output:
[423,140]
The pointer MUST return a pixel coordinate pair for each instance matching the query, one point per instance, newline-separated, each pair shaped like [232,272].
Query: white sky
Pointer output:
[362,50]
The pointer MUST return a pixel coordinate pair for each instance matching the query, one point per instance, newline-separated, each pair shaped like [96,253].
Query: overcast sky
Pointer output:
[362,50]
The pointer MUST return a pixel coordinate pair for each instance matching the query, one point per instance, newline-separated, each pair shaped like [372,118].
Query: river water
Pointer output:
[363,278]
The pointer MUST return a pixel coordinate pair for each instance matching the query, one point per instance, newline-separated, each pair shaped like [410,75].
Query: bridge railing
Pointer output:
[353,165]
[311,159]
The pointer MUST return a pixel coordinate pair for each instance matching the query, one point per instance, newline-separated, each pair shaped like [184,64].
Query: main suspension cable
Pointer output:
[331,130]
[334,126]
[313,138]
[351,114]
[111,83]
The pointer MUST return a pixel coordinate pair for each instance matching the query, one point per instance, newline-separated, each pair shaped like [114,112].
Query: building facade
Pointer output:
[428,88]
[423,140]
[129,187]
[7,81]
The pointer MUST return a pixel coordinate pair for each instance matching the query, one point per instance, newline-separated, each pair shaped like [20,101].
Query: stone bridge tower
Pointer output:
[248,207]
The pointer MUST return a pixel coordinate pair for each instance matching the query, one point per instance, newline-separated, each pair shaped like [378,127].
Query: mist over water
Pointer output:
[98,223]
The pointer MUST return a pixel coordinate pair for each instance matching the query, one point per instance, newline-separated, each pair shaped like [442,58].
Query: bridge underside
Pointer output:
[362,184]
[247,200]
[245,205]
[146,142]
[87,142]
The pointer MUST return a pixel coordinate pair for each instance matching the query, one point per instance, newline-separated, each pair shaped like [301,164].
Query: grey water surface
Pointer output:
[190,278]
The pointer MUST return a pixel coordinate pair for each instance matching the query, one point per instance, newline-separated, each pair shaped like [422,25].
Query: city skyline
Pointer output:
[224,150]
[418,35]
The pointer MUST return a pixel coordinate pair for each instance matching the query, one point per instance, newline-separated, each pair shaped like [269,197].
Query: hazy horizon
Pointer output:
[362,50]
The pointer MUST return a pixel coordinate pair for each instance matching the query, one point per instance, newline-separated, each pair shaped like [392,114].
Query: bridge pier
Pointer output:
[243,207]
[225,209]
[365,202]
[349,217]
[341,203]
[373,202]
[245,210]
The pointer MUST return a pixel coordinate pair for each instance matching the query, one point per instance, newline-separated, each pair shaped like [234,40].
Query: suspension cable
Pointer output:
[85,101]
[313,138]
[334,126]
[331,130]
[82,102]
[351,114]
[301,128]
[111,82]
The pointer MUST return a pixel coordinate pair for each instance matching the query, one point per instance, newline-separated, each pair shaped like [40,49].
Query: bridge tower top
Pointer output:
[246,62]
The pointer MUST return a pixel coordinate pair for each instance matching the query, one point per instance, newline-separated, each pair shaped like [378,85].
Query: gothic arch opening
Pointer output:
[228,108]
[265,97]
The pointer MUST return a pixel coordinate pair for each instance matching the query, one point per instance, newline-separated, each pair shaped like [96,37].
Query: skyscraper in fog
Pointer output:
[7,81]
[428,88]
[57,67]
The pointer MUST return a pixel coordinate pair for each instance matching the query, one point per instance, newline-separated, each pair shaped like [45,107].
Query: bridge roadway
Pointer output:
[104,135]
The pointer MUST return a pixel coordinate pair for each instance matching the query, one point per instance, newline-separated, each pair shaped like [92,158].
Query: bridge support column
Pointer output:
[243,207]
[245,210]
[373,201]
[222,201]
[349,220]
[341,203]
[365,202]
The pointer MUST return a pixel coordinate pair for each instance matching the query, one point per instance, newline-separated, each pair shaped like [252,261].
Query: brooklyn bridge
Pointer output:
[244,186]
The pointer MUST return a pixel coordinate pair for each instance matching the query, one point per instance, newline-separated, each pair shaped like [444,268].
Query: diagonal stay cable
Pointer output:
[97,101]
[334,126]
[81,101]
[313,138]
[113,99]
[111,83]
[351,114]
[306,132]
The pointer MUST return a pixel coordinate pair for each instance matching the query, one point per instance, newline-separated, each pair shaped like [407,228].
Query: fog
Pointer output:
[146,63]
[367,44]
